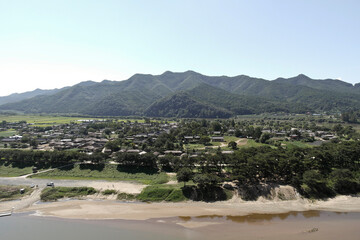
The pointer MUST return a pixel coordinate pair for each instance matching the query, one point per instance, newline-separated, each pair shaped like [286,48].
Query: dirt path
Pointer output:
[23,203]
[47,170]
[127,187]
[242,141]
[172,176]
[29,200]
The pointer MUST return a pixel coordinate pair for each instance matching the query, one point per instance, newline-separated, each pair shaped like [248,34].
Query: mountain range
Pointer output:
[190,94]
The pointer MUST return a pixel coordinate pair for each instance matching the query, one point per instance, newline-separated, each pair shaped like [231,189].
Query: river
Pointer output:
[317,225]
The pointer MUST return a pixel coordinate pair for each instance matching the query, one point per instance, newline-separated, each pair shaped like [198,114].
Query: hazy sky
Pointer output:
[55,43]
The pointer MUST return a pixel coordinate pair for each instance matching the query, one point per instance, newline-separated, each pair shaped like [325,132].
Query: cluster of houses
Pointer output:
[73,136]
[297,134]
[87,144]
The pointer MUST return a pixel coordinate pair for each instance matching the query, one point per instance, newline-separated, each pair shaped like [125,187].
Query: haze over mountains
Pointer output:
[190,94]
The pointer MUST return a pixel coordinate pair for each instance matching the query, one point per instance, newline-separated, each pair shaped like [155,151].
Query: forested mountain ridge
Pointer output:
[182,105]
[326,84]
[16,97]
[191,94]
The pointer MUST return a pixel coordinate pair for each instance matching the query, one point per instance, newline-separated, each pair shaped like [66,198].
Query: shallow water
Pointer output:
[294,225]
[25,227]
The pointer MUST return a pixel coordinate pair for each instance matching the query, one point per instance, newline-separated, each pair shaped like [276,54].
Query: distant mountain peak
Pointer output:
[86,83]
[186,72]
[191,71]
[303,75]
[106,81]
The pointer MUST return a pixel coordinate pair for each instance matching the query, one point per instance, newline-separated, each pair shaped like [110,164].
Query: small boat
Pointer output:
[7,213]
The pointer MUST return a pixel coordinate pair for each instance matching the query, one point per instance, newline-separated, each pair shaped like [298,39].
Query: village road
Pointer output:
[127,187]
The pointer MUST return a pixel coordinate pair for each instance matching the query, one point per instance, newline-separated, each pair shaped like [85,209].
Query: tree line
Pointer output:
[317,172]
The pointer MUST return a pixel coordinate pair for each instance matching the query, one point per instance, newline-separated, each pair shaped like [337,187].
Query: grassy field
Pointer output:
[13,192]
[48,120]
[10,171]
[106,172]
[224,145]
[41,120]
[193,146]
[252,143]
[55,193]
[8,133]
[293,144]
[230,139]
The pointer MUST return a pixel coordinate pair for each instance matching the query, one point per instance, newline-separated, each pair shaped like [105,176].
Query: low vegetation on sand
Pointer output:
[109,192]
[13,192]
[176,193]
[107,172]
[126,197]
[159,193]
[55,193]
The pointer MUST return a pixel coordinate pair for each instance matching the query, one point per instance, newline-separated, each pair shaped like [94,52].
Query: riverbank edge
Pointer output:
[107,209]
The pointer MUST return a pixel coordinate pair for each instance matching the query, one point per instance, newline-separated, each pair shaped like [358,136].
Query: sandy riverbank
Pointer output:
[91,209]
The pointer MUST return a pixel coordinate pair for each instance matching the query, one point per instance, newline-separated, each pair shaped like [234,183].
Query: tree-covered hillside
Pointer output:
[204,96]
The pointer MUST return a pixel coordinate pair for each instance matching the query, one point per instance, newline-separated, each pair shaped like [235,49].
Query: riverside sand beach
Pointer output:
[100,207]
[106,209]
[262,219]
[234,219]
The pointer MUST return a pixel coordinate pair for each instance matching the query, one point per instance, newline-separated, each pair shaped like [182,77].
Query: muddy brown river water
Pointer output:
[317,225]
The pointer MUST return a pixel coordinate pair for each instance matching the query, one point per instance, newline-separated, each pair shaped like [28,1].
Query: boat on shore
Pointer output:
[5,214]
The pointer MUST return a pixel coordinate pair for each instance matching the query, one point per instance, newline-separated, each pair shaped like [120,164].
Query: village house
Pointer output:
[217,139]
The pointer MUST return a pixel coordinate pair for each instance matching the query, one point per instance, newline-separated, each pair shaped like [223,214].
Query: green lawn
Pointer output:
[230,138]
[9,171]
[8,133]
[107,172]
[217,144]
[193,146]
[296,144]
[252,143]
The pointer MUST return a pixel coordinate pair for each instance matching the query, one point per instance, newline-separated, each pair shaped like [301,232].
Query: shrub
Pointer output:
[109,192]
[315,186]
[184,175]
[126,196]
[176,196]
[344,182]
[209,194]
